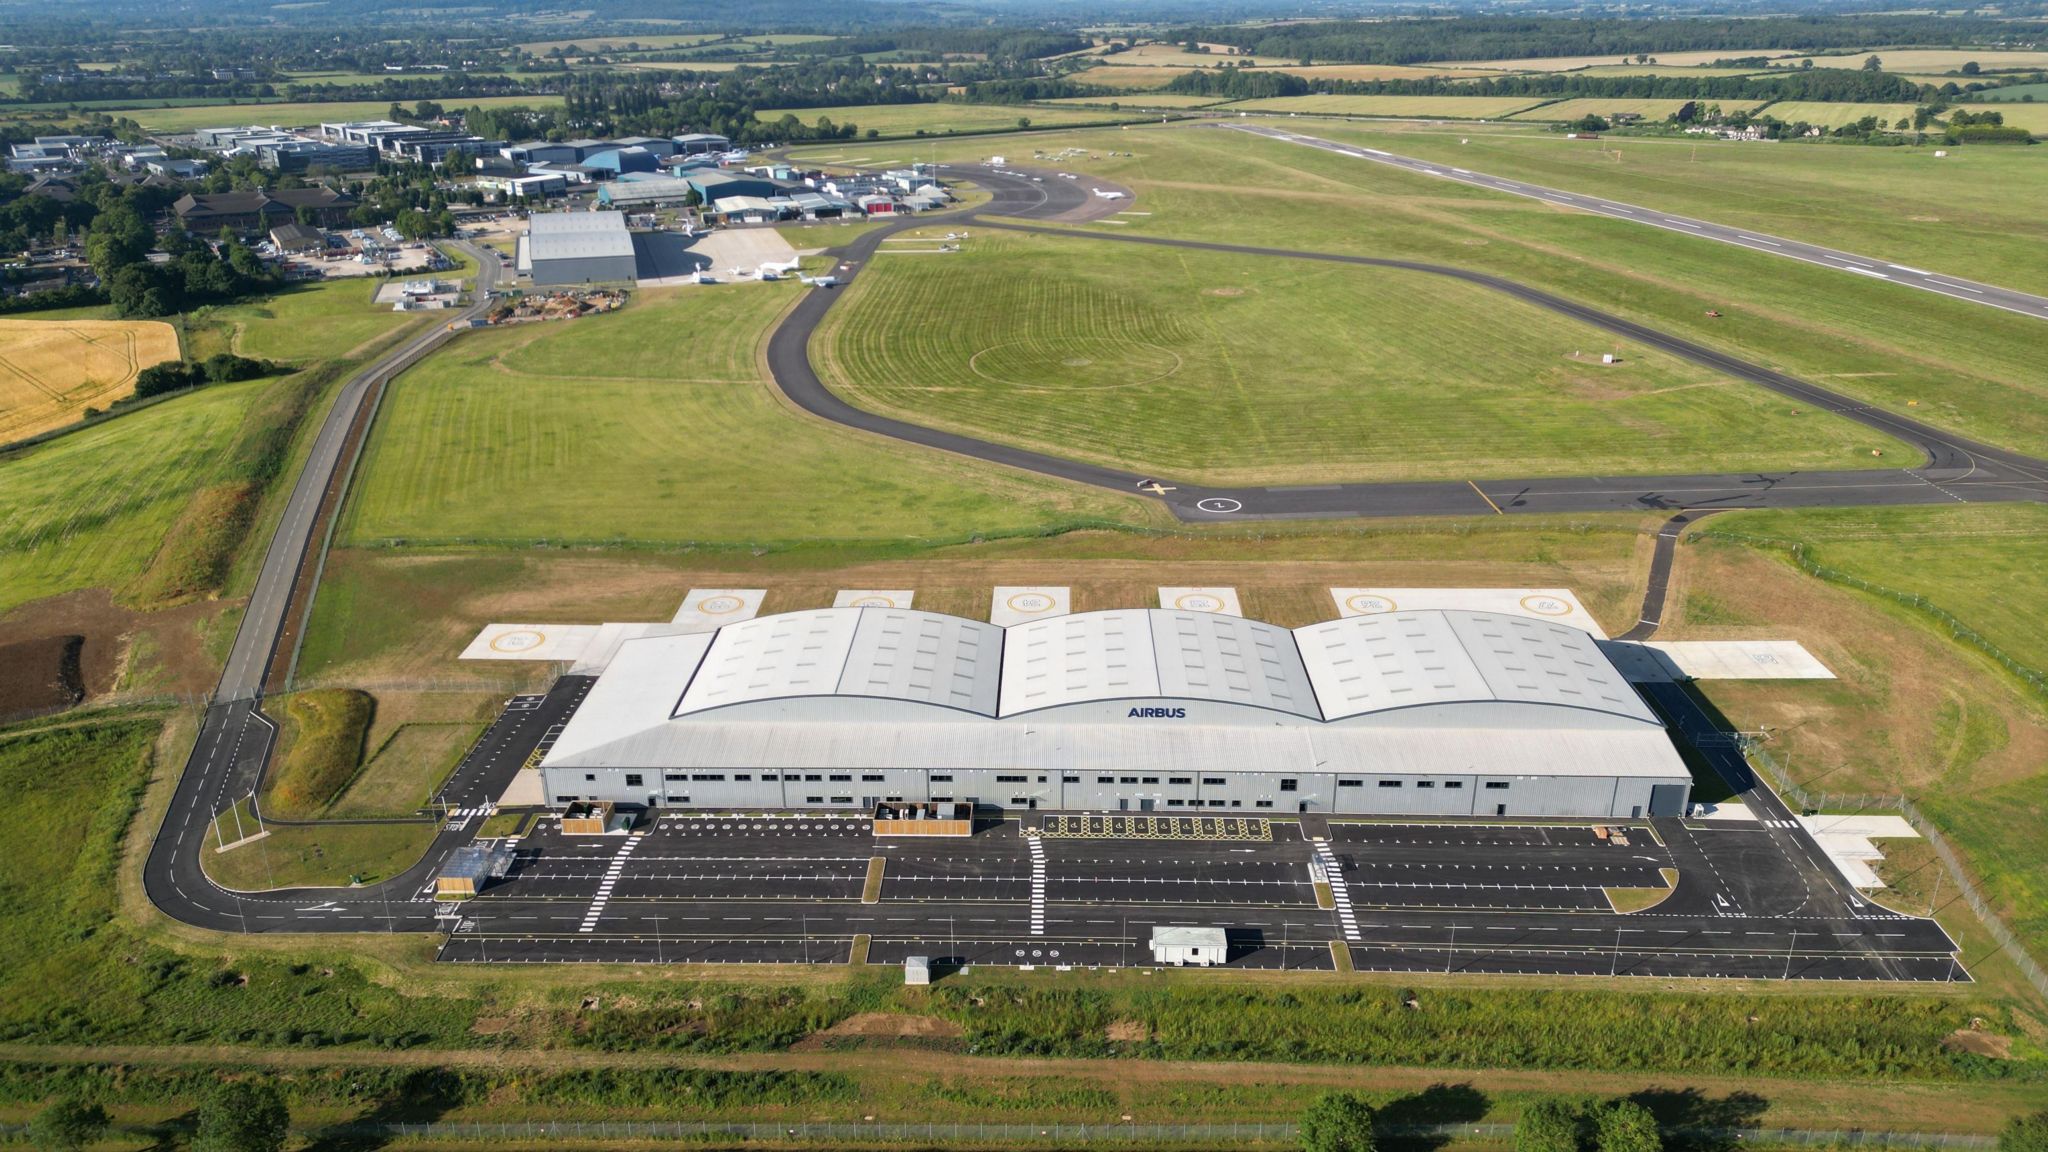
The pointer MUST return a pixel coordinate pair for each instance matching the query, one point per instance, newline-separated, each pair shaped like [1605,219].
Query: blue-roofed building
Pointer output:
[622,160]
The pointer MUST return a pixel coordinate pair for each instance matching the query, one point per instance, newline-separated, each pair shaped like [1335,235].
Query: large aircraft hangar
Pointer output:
[1427,713]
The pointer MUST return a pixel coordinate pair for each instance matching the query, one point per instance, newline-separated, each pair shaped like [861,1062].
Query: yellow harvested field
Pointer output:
[1116,77]
[1379,72]
[304,114]
[1567,63]
[51,370]
[619,43]
[1172,55]
[1424,107]
[1648,109]
[2032,117]
[1936,59]
[1661,70]
[1835,115]
[1138,100]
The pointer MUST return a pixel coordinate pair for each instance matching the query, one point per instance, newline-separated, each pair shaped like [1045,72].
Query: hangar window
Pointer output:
[1350,783]
[678,799]
[1425,783]
[707,775]
[590,775]
[1287,785]
[634,779]
[1020,801]
[842,777]
[1214,780]
[676,777]
[565,799]
[942,777]
[942,799]
[814,799]
[842,799]
[1171,803]
[1219,803]
[1010,780]
[1234,804]
[1127,779]
[1454,783]
[743,776]
[1070,779]
[1041,779]
[1390,783]
[893,799]
[1496,783]
[1151,780]
[1180,779]
[812,777]
[872,777]
[772,777]
[1265,803]
[1105,779]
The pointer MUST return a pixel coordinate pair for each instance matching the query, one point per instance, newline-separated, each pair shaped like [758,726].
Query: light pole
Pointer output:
[1452,955]
[658,957]
[1789,949]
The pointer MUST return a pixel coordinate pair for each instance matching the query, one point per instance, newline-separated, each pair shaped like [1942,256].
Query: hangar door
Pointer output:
[1667,799]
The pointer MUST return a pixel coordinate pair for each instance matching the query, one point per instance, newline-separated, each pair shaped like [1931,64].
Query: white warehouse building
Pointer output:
[576,248]
[1442,713]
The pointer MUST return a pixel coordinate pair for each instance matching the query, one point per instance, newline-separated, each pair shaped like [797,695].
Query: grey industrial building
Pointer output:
[576,248]
[1428,713]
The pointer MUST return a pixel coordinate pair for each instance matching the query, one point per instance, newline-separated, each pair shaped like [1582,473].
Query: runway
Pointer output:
[1870,267]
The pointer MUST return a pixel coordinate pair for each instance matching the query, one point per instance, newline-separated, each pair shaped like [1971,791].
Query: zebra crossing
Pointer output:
[1781,823]
[604,887]
[1340,892]
[459,818]
[1037,847]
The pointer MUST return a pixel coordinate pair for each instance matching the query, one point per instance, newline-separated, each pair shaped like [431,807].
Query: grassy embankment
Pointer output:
[319,747]
[1221,369]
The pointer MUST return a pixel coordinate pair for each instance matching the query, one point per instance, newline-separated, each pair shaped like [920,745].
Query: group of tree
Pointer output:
[237,1116]
[178,375]
[1565,1125]
[1827,85]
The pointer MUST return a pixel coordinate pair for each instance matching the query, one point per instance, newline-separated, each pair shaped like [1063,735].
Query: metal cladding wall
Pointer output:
[1137,790]
[596,270]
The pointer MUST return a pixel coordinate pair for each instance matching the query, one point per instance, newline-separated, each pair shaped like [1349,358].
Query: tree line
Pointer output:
[1830,85]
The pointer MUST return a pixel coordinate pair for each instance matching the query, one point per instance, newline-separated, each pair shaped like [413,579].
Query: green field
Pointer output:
[1449,107]
[497,438]
[92,508]
[1141,100]
[2017,93]
[187,118]
[323,320]
[945,119]
[2032,117]
[1221,369]
[1872,340]
[1827,115]
[1601,106]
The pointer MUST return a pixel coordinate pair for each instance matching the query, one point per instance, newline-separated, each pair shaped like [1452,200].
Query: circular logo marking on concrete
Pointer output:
[1367,604]
[1199,602]
[1030,602]
[720,605]
[1546,605]
[519,640]
[871,602]
[1220,504]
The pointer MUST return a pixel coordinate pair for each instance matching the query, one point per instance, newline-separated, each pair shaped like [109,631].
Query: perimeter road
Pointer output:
[1953,287]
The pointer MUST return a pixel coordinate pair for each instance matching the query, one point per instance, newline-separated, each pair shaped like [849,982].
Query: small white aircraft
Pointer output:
[778,266]
[818,281]
[1108,195]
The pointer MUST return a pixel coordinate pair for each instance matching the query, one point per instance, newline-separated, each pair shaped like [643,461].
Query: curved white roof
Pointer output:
[889,653]
[1368,664]
[1153,653]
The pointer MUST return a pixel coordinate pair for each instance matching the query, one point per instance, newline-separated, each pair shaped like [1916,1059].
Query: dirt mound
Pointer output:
[1130,1032]
[41,675]
[884,1026]
[1979,1043]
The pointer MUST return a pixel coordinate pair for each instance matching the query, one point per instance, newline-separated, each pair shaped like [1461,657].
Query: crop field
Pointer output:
[1449,107]
[1938,59]
[1223,369]
[942,119]
[1661,70]
[1377,71]
[620,43]
[1827,115]
[2016,94]
[1155,100]
[189,117]
[488,439]
[1570,63]
[1118,77]
[2032,117]
[91,508]
[1648,109]
[51,371]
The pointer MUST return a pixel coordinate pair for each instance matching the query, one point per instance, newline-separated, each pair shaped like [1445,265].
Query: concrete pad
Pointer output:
[1878,825]
[530,642]
[873,598]
[1857,873]
[1848,847]
[1557,604]
[667,259]
[1743,659]
[1726,810]
[704,609]
[1222,601]
[1014,604]
[525,791]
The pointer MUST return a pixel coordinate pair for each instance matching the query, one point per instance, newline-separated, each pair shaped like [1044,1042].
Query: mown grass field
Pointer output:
[1938,59]
[944,119]
[1827,115]
[322,855]
[1223,369]
[1602,106]
[496,439]
[1450,107]
[1872,340]
[2032,117]
[619,43]
[189,117]
[1156,100]
[323,320]
[51,371]
[93,508]
[1116,77]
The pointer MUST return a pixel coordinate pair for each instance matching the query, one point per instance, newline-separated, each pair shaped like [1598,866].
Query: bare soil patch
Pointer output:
[40,675]
[868,1027]
[1129,1031]
[1224,292]
[119,649]
[1979,1043]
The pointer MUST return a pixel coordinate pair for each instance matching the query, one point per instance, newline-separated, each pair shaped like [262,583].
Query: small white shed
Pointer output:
[917,970]
[1200,947]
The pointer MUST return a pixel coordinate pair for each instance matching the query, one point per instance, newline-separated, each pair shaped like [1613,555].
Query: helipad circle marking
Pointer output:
[520,640]
[1199,602]
[720,605]
[1030,602]
[1220,504]
[1366,604]
[871,602]
[1546,605]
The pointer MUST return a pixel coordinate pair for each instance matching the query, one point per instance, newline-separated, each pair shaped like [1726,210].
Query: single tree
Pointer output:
[243,1116]
[1337,1122]
[1873,64]
[67,1125]
[1626,1126]
[1548,1125]
[2025,1134]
